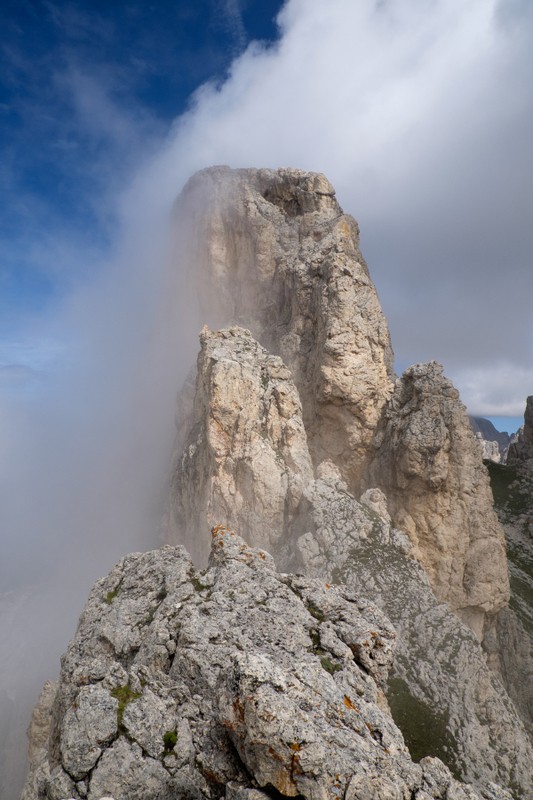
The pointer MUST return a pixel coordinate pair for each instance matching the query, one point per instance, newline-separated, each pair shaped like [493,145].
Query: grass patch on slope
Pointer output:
[424,730]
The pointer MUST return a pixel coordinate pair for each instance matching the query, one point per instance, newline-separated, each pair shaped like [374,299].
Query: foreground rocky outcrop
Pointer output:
[233,682]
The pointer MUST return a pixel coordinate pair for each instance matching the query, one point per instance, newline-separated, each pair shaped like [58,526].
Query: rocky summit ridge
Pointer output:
[379,662]
[234,681]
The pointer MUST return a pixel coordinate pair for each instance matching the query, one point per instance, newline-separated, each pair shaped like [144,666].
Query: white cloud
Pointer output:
[233,15]
[419,114]
[504,384]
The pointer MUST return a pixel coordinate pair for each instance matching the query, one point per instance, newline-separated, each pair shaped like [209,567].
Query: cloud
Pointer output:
[14,377]
[505,384]
[231,9]
[420,117]
[73,21]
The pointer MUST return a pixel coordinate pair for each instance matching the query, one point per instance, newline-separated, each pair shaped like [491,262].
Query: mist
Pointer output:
[419,119]
[86,457]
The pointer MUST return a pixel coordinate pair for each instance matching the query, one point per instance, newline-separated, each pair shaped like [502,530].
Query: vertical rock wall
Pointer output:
[246,464]
[245,460]
[272,250]
[521,451]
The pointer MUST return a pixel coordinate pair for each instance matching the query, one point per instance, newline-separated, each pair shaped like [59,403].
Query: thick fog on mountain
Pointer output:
[421,120]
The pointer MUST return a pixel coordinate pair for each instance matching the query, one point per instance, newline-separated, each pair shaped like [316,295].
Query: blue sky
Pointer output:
[87,89]
[420,114]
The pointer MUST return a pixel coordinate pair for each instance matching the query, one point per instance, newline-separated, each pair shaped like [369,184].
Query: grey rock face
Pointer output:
[185,684]
[439,665]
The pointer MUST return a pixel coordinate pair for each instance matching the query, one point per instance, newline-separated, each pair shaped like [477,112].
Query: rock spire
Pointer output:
[273,251]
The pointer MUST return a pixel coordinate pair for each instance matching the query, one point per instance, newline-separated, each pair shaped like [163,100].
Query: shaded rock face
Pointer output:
[429,466]
[510,640]
[273,251]
[521,451]
[185,684]
[443,694]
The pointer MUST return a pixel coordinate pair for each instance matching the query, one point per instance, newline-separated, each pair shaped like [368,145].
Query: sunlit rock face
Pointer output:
[232,682]
[273,251]
[245,459]
[429,465]
[494,443]
[490,449]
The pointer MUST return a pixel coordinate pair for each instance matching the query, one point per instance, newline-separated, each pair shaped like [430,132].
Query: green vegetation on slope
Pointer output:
[510,493]
[425,731]
[512,489]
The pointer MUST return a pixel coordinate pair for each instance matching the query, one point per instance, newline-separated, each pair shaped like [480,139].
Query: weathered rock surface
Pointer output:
[226,683]
[429,465]
[273,251]
[510,640]
[444,695]
[246,459]
[471,722]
